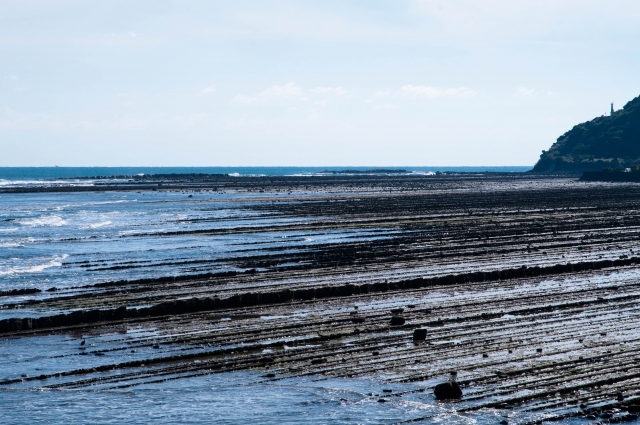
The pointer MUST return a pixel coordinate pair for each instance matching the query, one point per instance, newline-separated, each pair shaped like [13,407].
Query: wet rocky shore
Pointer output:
[525,285]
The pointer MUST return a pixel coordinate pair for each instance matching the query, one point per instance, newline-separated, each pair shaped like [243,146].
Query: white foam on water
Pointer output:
[88,204]
[37,268]
[98,225]
[17,243]
[48,220]
[245,175]
[4,182]
[119,201]
[75,182]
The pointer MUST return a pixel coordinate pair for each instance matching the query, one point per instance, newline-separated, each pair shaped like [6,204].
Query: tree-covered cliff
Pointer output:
[607,141]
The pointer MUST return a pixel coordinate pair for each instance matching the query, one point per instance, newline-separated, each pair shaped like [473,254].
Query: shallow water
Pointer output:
[73,239]
[242,398]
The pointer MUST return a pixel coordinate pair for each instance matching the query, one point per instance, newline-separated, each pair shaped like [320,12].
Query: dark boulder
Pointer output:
[397,321]
[448,391]
[419,334]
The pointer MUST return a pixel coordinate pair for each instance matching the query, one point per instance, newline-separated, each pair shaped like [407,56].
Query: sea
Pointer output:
[47,173]
[48,239]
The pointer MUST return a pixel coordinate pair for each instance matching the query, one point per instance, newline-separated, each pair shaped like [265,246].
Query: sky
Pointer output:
[307,83]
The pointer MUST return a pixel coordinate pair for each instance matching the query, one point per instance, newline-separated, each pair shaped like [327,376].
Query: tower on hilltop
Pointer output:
[611,108]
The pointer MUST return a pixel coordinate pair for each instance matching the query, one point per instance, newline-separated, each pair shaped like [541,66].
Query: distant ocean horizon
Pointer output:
[47,173]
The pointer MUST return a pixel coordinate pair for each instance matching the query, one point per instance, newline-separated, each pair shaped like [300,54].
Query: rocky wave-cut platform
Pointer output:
[526,286]
[268,298]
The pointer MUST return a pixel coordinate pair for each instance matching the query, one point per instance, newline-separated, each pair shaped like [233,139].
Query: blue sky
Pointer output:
[205,83]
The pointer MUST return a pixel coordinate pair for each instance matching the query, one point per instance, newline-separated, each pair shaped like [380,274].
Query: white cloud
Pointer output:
[430,92]
[207,90]
[112,39]
[482,21]
[244,99]
[524,91]
[335,91]
[287,90]
[318,106]
[12,77]
[301,20]
[124,34]
[84,124]
[189,120]
[385,106]
[382,93]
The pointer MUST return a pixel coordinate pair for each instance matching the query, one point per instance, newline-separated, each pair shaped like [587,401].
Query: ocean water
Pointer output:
[41,173]
[244,398]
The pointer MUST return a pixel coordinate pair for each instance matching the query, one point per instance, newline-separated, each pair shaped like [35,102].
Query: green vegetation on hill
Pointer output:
[604,142]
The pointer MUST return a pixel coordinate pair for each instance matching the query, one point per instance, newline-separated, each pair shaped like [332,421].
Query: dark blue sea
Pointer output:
[42,173]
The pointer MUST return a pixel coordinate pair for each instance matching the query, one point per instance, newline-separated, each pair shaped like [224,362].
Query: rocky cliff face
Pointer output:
[608,141]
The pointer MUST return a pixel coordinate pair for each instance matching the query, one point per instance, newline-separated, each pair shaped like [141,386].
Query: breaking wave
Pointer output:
[48,220]
[36,268]
[98,225]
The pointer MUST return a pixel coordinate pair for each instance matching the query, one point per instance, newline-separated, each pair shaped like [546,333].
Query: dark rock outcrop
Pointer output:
[448,391]
[194,305]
